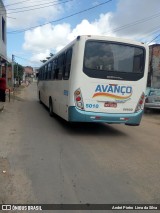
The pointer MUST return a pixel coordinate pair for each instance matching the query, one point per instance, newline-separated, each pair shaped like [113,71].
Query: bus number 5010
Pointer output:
[92,105]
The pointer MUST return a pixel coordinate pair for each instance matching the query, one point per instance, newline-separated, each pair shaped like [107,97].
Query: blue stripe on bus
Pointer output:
[76,115]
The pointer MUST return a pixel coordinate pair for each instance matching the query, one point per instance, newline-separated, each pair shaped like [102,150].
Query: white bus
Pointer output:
[96,79]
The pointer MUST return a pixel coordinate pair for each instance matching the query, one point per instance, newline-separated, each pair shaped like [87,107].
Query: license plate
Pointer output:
[110,104]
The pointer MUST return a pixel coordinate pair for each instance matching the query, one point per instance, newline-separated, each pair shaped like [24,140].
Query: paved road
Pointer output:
[47,160]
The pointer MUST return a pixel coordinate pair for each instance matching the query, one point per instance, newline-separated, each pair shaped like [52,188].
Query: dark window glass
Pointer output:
[56,68]
[113,60]
[3,29]
[67,64]
[53,69]
[60,66]
[46,72]
[43,73]
[49,70]
[39,74]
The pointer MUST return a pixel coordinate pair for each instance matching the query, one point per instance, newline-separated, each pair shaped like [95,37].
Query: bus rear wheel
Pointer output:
[40,98]
[50,108]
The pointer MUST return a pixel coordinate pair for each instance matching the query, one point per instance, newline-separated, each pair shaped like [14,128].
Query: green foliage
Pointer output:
[18,70]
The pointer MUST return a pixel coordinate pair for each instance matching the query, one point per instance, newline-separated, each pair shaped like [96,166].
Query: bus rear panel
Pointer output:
[109,81]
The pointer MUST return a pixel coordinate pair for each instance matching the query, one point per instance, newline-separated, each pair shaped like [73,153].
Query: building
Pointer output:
[3,39]
[154,66]
[28,71]
[35,73]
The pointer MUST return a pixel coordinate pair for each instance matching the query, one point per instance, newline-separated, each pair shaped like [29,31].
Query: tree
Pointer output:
[47,58]
[18,71]
[43,61]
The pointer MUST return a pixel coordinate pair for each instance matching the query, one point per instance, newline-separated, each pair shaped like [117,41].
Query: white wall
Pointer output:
[3,44]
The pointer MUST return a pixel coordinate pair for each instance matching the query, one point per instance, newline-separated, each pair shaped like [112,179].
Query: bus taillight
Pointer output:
[78,99]
[140,103]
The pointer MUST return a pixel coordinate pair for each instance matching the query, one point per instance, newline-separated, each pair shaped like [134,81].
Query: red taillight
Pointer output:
[140,103]
[78,98]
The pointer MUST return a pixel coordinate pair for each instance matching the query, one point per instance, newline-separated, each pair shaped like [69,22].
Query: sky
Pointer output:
[40,27]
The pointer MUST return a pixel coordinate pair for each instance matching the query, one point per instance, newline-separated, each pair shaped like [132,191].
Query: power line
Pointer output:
[40,7]
[18,3]
[154,39]
[135,23]
[82,11]
[23,58]
[23,2]
[10,17]
[153,31]
[35,5]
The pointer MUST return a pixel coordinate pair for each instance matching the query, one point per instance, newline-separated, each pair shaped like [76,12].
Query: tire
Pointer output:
[132,124]
[146,110]
[40,98]
[51,108]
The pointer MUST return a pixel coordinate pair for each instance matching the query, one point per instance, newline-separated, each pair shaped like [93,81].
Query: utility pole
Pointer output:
[13,58]
[17,76]
[7,74]
[0,69]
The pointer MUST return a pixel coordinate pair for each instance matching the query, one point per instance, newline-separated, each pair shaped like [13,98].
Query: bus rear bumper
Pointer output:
[76,115]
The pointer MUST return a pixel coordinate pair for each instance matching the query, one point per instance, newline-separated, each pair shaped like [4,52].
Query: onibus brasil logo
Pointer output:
[113,91]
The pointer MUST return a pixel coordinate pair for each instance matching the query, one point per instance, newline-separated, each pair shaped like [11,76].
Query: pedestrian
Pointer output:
[2,90]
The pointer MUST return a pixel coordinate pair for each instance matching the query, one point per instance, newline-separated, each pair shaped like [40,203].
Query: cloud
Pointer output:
[40,56]
[46,37]
[45,40]
[129,12]
[124,22]
[98,27]
[55,37]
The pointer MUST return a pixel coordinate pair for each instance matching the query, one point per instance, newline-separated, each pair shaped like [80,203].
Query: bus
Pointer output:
[96,79]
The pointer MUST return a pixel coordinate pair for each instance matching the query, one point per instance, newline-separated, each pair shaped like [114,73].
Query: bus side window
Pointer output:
[49,71]
[68,60]
[38,75]
[60,66]
[53,69]
[43,73]
[56,69]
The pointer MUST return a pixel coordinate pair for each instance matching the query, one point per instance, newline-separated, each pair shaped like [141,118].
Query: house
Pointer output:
[154,66]
[28,71]
[3,39]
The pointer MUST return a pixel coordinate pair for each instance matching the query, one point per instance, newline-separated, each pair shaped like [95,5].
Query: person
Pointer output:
[2,90]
